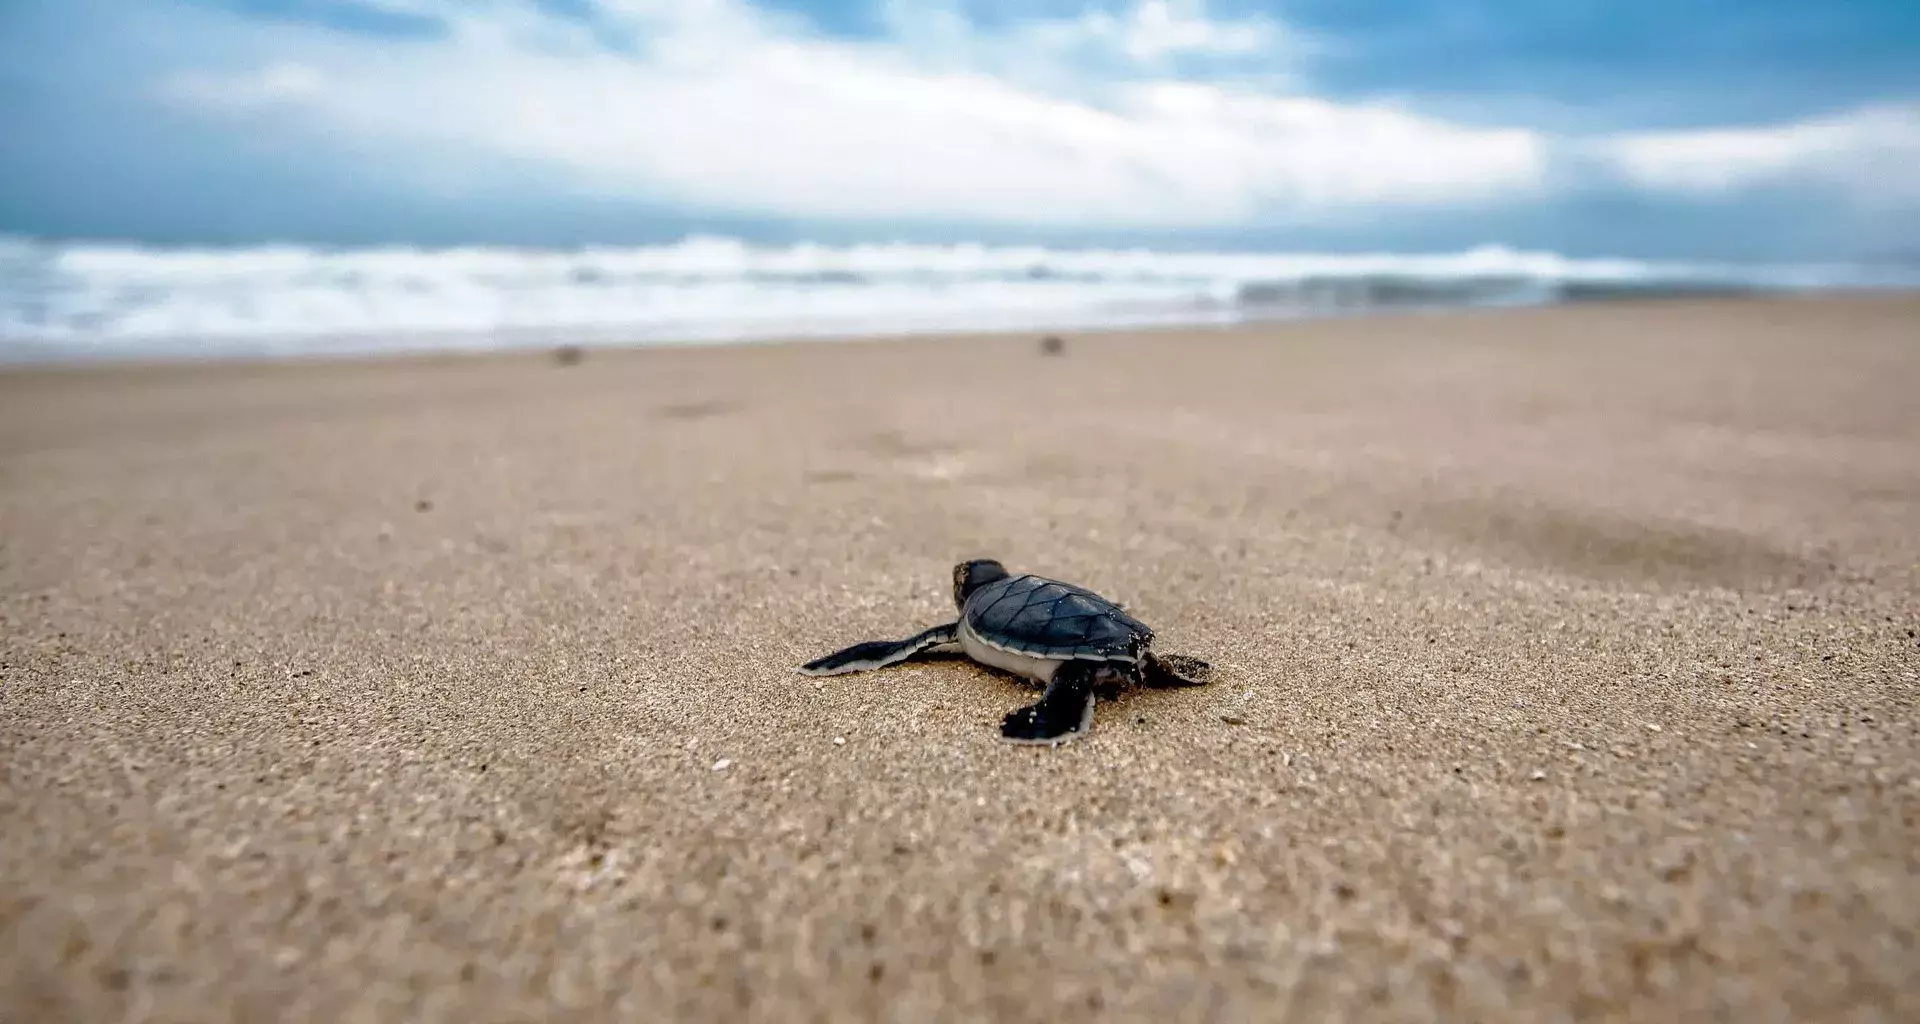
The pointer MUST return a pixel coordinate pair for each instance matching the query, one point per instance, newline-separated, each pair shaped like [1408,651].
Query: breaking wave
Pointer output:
[73,299]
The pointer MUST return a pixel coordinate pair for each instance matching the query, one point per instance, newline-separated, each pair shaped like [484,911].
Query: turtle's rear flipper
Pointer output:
[1169,670]
[881,653]
[1065,712]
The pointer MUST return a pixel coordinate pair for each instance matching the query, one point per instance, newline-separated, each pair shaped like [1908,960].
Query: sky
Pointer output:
[1765,129]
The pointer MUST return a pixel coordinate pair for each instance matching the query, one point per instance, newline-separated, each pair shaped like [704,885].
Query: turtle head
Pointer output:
[972,575]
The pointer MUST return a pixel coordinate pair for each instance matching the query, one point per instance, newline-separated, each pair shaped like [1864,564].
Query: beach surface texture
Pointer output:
[1565,659]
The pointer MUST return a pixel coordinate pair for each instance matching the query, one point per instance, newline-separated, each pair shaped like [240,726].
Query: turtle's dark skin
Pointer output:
[1068,638]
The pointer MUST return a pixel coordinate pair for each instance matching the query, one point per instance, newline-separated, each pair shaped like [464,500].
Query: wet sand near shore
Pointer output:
[1566,670]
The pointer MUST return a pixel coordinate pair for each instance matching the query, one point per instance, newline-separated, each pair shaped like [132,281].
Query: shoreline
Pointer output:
[312,348]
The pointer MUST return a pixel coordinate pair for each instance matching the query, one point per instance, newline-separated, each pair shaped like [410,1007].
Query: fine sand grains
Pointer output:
[1566,671]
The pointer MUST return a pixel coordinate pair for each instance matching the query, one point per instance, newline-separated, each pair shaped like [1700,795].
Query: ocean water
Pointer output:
[73,300]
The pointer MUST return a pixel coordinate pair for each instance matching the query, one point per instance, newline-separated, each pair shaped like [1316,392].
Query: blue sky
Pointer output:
[1765,128]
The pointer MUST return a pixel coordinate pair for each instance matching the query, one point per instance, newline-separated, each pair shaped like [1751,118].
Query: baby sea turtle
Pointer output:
[1067,638]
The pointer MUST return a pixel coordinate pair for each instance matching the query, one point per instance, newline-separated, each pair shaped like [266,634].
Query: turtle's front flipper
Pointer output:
[1065,712]
[1169,670]
[880,653]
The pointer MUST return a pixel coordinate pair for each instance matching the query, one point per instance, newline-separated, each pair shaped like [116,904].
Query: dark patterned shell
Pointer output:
[1050,619]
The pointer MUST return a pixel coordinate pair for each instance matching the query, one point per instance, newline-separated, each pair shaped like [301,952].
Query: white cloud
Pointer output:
[1144,34]
[1872,155]
[725,106]
[1159,27]
[275,83]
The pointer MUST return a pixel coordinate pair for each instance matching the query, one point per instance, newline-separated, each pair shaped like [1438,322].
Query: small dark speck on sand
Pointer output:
[568,355]
[1052,345]
[423,505]
[1234,719]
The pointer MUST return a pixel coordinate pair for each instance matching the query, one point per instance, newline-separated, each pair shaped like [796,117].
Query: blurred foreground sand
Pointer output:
[1572,655]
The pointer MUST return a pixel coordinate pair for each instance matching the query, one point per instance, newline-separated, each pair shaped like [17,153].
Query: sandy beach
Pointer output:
[1567,670]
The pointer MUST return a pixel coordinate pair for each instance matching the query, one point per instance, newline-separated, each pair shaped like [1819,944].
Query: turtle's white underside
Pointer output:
[1033,667]
[1039,670]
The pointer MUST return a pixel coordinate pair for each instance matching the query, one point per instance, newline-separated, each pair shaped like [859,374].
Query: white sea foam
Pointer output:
[62,300]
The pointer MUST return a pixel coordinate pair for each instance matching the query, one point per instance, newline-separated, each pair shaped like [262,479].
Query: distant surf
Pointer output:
[78,300]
